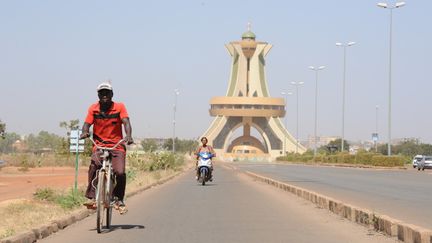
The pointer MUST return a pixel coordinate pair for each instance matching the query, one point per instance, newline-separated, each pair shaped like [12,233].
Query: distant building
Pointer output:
[19,146]
[321,141]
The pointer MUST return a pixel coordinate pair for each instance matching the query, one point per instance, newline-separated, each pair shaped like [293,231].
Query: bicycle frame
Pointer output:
[105,186]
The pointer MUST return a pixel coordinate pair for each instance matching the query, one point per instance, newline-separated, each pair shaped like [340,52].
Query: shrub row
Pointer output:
[345,158]
[155,161]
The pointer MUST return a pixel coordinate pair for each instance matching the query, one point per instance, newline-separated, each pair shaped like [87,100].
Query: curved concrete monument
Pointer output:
[248,104]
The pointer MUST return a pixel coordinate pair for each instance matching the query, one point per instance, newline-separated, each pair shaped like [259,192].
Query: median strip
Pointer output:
[382,223]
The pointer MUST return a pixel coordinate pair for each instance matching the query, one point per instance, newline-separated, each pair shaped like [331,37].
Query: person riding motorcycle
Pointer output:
[204,148]
[107,118]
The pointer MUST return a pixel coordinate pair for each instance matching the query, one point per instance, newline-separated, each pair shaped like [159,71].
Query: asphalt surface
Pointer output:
[231,209]
[402,194]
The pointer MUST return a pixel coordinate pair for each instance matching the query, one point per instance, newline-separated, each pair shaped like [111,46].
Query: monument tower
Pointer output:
[248,104]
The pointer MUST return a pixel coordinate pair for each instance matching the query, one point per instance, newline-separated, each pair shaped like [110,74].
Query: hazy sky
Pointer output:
[53,54]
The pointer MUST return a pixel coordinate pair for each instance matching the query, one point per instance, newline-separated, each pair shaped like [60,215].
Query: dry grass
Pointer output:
[20,215]
[31,160]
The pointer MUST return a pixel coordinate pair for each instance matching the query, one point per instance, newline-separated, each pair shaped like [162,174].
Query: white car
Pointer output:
[416,159]
[425,163]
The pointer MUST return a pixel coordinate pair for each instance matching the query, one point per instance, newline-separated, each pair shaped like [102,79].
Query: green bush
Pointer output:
[382,160]
[71,200]
[68,200]
[345,158]
[363,157]
[131,174]
[45,194]
[156,161]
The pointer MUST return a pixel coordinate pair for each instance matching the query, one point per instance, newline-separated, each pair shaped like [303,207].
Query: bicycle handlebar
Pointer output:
[107,148]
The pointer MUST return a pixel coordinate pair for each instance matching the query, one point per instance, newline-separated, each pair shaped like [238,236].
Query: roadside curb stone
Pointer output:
[45,230]
[27,237]
[389,226]
[361,166]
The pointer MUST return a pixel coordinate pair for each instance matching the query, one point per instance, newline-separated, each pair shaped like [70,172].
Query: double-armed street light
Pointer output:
[343,89]
[316,69]
[176,93]
[387,6]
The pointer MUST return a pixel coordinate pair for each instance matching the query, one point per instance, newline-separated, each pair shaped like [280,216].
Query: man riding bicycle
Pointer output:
[107,118]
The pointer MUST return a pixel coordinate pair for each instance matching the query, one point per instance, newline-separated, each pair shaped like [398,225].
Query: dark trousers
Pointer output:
[118,166]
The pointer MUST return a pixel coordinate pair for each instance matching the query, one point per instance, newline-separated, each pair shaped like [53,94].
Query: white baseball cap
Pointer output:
[104,85]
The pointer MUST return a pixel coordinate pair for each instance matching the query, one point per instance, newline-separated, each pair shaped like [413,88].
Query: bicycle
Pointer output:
[105,186]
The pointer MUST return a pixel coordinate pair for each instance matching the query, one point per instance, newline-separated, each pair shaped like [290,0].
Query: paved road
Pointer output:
[401,194]
[232,209]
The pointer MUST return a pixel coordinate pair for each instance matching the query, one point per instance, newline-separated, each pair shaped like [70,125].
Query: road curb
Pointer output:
[58,224]
[343,165]
[382,223]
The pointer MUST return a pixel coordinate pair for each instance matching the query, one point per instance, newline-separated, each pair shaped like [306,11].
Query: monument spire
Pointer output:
[248,105]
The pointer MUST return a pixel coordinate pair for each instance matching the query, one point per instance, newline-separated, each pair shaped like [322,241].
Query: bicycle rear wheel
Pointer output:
[100,200]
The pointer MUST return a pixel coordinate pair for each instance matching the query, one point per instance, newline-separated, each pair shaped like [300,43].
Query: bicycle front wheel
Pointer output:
[100,200]
[108,196]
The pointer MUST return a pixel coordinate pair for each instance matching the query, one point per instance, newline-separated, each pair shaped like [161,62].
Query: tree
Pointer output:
[69,126]
[182,145]
[168,145]
[44,140]
[187,145]
[335,145]
[408,148]
[2,129]
[6,144]
[149,145]
[382,149]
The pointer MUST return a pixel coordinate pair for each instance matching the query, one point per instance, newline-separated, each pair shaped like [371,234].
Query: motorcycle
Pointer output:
[204,167]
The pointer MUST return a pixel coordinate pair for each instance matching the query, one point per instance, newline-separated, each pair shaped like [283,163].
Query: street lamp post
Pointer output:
[297,84]
[286,119]
[343,89]
[386,6]
[376,128]
[316,69]
[176,93]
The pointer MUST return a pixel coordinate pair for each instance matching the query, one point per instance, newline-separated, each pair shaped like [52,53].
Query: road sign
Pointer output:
[73,148]
[76,145]
[374,137]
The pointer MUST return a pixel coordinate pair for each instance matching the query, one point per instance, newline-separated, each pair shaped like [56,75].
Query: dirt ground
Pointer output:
[15,184]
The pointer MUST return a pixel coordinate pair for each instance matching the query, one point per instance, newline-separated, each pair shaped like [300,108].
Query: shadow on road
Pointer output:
[213,184]
[121,227]
[126,227]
